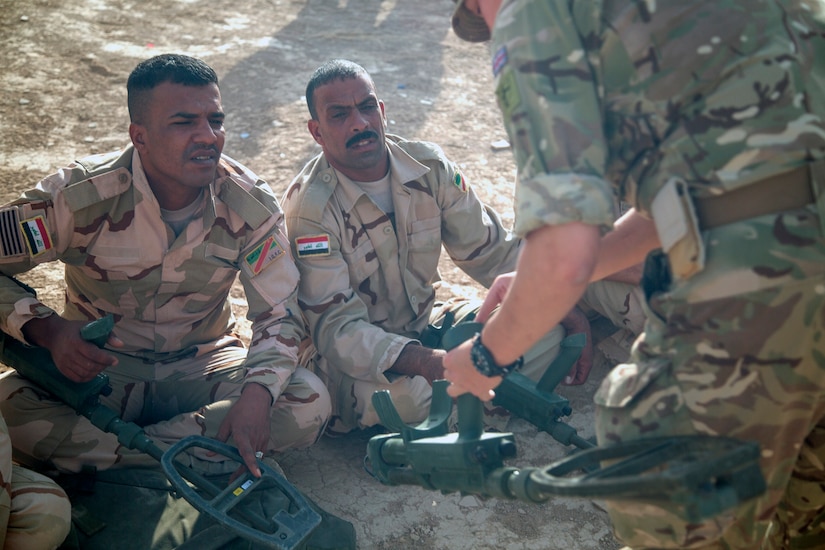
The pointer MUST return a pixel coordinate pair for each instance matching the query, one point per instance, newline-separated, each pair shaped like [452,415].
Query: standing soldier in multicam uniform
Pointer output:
[706,116]
[155,235]
[367,219]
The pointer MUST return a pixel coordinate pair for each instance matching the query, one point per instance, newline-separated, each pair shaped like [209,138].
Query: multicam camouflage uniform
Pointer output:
[181,368]
[34,511]
[367,278]
[681,106]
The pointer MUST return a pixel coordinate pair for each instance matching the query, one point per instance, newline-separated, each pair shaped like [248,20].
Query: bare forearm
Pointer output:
[41,331]
[633,236]
[417,360]
[553,271]
[631,275]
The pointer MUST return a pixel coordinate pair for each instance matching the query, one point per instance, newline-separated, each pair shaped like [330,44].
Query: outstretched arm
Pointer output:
[542,292]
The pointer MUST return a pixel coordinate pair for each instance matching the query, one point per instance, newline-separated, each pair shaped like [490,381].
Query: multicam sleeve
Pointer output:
[547,91]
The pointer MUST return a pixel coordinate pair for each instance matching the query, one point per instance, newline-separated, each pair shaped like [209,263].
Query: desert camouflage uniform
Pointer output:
[371,292]
[670,103]
[34,511]
[181,367]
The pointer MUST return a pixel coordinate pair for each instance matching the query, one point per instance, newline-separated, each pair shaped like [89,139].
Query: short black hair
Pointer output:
[169,67]
[335,69]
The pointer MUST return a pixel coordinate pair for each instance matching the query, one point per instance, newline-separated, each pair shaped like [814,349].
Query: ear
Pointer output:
[315,130]
[383,114]
[137,134]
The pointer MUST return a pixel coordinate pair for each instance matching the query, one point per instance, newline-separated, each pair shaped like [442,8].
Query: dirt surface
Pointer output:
[63,97]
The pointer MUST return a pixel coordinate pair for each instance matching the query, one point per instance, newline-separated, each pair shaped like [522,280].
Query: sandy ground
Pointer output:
[64,70]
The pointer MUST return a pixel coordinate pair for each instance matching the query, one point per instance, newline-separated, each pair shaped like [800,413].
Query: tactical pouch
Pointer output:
[678,228]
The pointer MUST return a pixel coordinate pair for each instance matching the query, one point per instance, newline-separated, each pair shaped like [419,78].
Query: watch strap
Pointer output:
[485,363]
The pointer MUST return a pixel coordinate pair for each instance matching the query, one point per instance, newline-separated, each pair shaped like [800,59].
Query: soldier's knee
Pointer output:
[41,512]
[321,400]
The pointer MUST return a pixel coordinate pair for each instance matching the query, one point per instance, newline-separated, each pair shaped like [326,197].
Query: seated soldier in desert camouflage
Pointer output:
[34,511]
[367,219]
[155,235]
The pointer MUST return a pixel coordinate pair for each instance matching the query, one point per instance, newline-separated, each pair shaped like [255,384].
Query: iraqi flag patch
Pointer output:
[36,235]
[314,245]
[263,255]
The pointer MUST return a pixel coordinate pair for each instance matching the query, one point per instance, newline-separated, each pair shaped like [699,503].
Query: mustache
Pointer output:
[200,148]
[367,134]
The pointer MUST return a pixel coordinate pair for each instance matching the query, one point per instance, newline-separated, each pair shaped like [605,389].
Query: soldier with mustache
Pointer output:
[367,219]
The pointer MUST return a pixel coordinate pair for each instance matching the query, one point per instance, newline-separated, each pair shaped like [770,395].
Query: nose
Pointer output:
[205,132]
[360,122]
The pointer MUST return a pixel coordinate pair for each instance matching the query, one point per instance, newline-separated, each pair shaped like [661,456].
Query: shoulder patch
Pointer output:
[314,245]
[499,60]
[36,235]
[460,182]
[263,255]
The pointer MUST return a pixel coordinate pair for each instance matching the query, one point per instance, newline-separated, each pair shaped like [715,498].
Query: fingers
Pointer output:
[82,369]
[480,386]
[114,341]
[578,374]
[454,390]
[251,461]
[249,453]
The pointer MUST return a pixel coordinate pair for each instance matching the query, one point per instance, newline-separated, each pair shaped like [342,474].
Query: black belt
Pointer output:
[785,191]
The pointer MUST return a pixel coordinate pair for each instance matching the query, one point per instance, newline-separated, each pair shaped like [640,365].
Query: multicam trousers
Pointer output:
[737,350]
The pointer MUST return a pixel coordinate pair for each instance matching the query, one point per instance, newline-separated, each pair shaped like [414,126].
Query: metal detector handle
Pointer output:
[97,332]
[36,364]
[283,531]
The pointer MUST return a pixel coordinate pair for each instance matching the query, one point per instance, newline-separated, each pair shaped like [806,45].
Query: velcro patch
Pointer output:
[507,93]
[36,235]
[499,60]
[313,245]
[11,234]
[263,255]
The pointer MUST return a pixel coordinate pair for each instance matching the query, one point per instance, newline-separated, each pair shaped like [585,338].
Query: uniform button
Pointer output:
[413,299]
[387,230]
[123,178]
[326,178]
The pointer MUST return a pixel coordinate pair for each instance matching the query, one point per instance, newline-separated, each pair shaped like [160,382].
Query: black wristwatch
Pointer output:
[484,362]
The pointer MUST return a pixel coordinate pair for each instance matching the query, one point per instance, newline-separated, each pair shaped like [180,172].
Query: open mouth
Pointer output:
[205,157]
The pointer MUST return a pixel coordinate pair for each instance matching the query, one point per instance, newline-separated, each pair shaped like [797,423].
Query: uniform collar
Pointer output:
[142,184]
[403,169]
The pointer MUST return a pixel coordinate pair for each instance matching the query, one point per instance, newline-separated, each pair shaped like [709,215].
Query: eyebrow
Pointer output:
[189,116]
[346,106]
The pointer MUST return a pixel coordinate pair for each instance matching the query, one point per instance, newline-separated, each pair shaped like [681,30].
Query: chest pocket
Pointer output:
[424,243]
[116,259]
[362,262]
[425,234]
